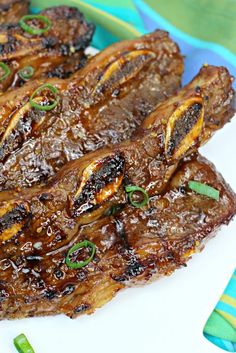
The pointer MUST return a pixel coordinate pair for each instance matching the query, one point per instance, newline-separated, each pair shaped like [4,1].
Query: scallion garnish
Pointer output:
[26,73]
[33,30]
[204,189]
[83,244]
[131,190]
[22,344]
[6,71]
[52,89]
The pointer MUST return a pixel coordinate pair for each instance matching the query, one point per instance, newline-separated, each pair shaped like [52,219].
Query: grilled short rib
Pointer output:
[133,246]
[57,52]
[101,104]
[84,121]
[86,188]
[180,123]
[39,225]
[12,10]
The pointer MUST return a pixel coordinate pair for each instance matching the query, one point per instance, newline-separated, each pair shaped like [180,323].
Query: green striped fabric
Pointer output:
[209,20]
[220,328]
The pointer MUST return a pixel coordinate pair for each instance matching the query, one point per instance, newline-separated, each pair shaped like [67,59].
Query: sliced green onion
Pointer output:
[33,30]
[6,70]
[22,344]
[26,73]
[204,189]
[131,190]
[82,244]
[53,90]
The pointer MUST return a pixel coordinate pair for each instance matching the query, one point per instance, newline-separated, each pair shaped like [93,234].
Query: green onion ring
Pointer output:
[26,73]
[32,30]
[131,190]
[22,344]
[6,70]
[82,244]
[204,189]
[54,91]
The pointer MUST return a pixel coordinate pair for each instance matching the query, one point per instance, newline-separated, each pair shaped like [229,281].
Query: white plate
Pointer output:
[164,317]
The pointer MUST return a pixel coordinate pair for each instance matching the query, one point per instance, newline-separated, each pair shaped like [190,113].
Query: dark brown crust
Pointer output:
[12,10]
[132,247]
[102,104]
[58,52]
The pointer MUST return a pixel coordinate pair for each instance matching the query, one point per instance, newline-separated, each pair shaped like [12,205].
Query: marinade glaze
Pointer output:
[101,104]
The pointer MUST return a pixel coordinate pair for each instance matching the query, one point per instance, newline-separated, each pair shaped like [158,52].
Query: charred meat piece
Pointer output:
[132,247]
[85,189]
[57,52]
[101,104]
[12,10]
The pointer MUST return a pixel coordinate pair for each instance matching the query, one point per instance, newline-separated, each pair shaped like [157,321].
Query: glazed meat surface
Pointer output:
[176,126]
[133,246]
[57,52]
[101,104]
[84,189]
[12,10]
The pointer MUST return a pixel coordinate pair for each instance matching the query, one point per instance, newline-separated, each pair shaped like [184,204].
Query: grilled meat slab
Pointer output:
[85,189]
[101,104]
[57,52]
[133,246]
[12,10]
[176,127]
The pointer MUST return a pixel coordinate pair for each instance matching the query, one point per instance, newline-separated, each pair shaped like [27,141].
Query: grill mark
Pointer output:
[17,215]
[50,294]
[10,46]
[49,42]
[184,125]
[112,167]
[81,308]
[134,266]
[22,125]
[123,69]
[133,269]
[68,289]
[3,295]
